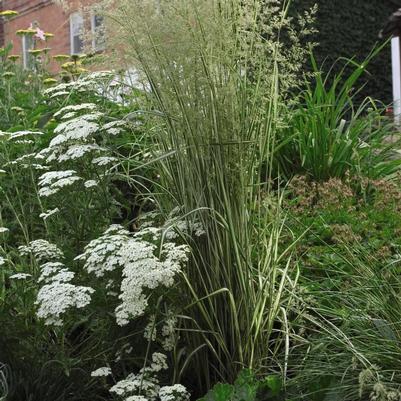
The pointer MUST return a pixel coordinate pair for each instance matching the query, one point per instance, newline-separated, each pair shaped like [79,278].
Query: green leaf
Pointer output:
[220,392]
[246,376]
[273,382]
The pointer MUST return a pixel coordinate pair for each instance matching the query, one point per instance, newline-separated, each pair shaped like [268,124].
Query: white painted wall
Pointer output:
[396,64]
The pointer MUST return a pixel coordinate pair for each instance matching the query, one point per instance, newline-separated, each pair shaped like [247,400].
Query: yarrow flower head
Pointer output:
[177,392]
[53,181]
[75,108]
[101,372]
[49,213]
[24,134]
[56,298]
[20,276]
[141,268]
[42,250]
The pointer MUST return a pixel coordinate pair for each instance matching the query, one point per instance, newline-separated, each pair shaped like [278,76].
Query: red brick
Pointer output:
[50,17]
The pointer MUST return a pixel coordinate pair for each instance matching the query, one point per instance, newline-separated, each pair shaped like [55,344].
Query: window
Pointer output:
[76,33]
[98,34]
[27,44]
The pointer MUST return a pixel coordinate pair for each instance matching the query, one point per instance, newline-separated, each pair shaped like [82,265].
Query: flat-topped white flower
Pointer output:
[144,381]
[4,230]
[57,298]
[104,160]
[24,134]
[24,142]
[42,250]
[48,213]
[159,362]
[177,392]
[115,127]
[101,254]
[136,398]
[141,268]
[2,261]
[20,276]
[74,152]
[81,128]
[101,372]
[75,108]
[49,270]
[90,183]
[51,182]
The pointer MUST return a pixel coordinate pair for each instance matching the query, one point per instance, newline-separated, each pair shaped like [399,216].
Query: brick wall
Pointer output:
[50,18]
[1,28]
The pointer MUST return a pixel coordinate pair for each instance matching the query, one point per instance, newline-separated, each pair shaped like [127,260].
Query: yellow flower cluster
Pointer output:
[8,13]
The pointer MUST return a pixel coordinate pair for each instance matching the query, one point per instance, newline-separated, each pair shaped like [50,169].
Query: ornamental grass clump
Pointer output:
[330,133]
[218,73]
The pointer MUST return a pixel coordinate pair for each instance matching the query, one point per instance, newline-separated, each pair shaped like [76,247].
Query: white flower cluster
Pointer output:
[20,135]
[115,127]
[4,230]
[168,331]
[141,268]
[58,294]
[56,298]
[145,386]
[27,160]
[104,160]
[42,250]
[64,113]
[89,83]
[20,276]
[48,213]
[51,182]
[101,372]
[101,255]
[177,392]
[145,382]
[74,139]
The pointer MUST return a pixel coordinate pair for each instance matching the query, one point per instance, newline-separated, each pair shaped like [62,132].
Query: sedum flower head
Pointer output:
[28,32]
[61,57]
[50,81]
[9,13]
[14,57]
[8,74]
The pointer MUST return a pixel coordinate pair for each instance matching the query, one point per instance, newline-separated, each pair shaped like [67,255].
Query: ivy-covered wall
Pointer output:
[350,28]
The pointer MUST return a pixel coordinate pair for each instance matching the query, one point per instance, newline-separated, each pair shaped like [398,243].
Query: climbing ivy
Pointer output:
[350,28]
